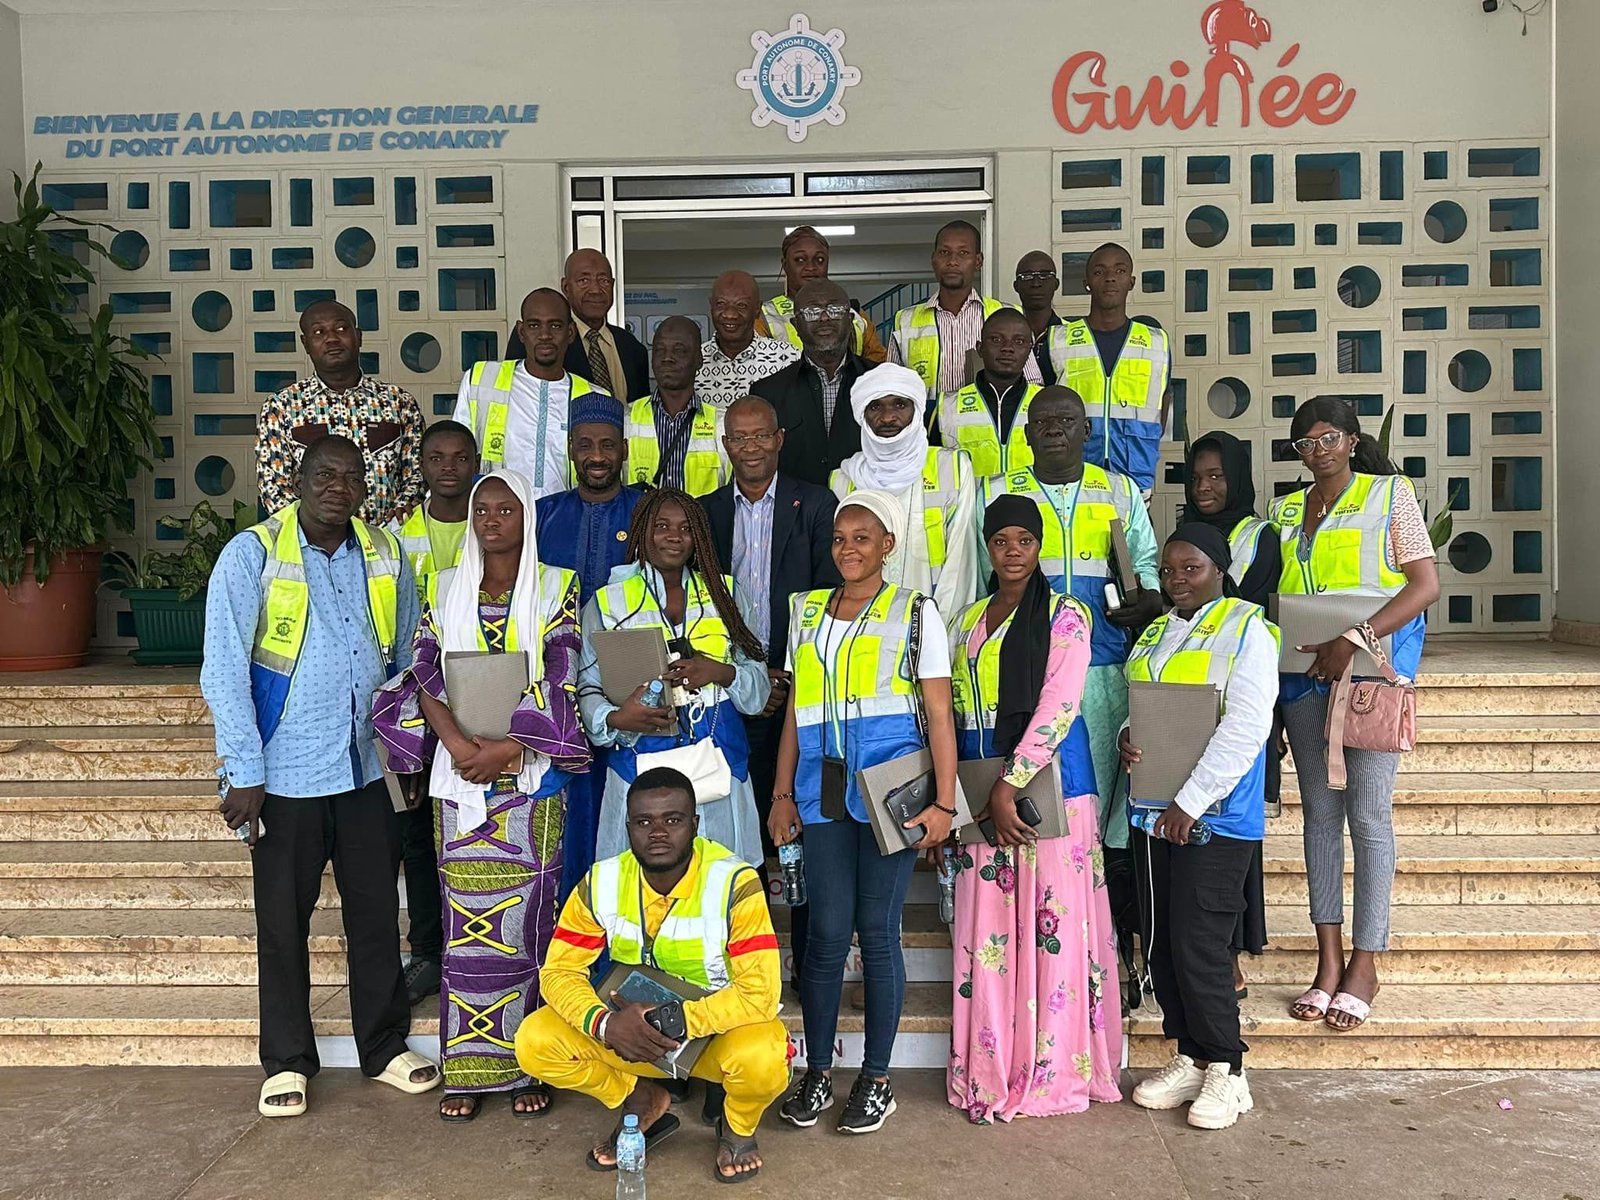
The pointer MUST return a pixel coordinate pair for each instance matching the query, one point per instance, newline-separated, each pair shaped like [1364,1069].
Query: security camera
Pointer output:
[1490,6]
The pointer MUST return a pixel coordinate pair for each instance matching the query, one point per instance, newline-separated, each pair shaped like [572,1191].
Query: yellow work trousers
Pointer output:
[750,1062]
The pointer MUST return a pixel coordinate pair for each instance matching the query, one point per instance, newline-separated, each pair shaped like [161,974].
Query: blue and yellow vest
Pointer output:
[1124,406]
[965,421]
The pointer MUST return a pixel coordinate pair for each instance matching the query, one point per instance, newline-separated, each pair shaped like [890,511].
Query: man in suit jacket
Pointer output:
[608,356]
[774,535]
[812,397]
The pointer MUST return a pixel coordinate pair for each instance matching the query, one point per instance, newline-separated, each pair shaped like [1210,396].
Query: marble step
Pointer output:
[1533,802]
[148,874]
[87,752]
[94,810]
[1504,744]
[108,693]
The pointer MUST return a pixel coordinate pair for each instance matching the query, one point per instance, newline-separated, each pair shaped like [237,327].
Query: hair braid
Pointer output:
[702,557]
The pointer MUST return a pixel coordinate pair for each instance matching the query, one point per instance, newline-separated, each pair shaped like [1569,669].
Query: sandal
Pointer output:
[284,1083]
[1350,1006]
[460,1118]
[664,1128]
[1314,1001]
[398,1073]
[541,1090]
[735,1147]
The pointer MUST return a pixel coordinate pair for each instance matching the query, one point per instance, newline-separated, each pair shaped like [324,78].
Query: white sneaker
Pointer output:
[1176,1083]
[1223,1096]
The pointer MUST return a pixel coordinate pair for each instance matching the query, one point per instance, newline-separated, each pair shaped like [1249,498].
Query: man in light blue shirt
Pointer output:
[306,615]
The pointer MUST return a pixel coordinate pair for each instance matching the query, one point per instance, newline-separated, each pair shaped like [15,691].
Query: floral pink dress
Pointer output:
[1038,1014]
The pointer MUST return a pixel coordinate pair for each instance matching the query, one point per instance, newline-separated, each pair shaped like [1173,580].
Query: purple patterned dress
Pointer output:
[500,881]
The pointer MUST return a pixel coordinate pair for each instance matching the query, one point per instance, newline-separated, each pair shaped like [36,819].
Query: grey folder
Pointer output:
[1171,724]
[635,983]
[484,689]
[1312,620]
[977,779]
[628,658]
[877,782]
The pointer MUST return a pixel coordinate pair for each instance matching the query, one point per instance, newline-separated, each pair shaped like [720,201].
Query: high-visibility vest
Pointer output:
[917,329]
[779,314]
[1124,406]
[705,466]
[1206,657]
[864,709]
[286,608]
[965,421]
[489,406]
[1075,553]
[692,943]
[628,604]
[975,696]
[1055,340]
[944,474]
[1349,552]
[1242,542]
[553,581]
[417,546]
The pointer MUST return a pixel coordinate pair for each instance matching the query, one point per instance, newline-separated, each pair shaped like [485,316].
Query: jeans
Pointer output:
[851,888]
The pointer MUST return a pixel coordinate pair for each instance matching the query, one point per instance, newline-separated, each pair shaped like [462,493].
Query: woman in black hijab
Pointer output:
[1220,492]
[1035,948]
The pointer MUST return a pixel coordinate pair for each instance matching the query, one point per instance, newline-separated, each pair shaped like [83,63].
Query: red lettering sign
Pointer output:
[1082,101]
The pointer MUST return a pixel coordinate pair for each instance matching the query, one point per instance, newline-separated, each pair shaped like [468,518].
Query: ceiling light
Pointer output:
[826,230]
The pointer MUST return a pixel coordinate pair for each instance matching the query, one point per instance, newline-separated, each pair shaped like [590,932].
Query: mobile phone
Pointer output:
[1027,812]
[835,783]
[906,803]
[667,1020]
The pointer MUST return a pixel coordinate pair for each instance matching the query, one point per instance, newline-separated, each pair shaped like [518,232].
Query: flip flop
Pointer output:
[734,1147]
[532,1089]
[398,1073]
[284,1083]
[664,1128]
[1315,999]
[1351,1006]
[460,1118]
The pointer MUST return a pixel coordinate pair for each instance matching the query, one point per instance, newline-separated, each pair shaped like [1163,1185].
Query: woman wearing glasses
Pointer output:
[1357,529]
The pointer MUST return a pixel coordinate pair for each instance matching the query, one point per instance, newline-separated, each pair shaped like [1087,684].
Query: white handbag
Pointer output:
[704,764]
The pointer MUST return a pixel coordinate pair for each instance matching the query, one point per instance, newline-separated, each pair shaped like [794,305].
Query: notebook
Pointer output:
[485,689]
[1312,620]
[627,659]
[1122,572]
[635,983]
[877,782]
[977,779]
[1171,724]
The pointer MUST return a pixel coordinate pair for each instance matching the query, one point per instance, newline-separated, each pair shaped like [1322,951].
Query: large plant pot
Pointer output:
[47,627]
[171,631]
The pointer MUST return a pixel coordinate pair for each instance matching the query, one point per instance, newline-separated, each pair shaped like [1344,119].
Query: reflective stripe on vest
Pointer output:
[917,329]
[942,477]
[705,466]
[553,581]
[965,421]
[417,546]
[629,604]
[692,943]
[779,313]
[1126,406]
[489,406]
[1242,544]
[1350,549]
[286,607]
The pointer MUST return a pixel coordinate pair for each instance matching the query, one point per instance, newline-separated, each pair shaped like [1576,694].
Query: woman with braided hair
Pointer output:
[673,582]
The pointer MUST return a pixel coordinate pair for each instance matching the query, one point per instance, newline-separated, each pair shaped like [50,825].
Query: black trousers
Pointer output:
[1197,894]
[358,832]
[764,734]
[426,934]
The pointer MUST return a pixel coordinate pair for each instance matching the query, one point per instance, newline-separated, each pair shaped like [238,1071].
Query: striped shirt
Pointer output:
[752,555]
[959,332]
[672,435]
[830,389]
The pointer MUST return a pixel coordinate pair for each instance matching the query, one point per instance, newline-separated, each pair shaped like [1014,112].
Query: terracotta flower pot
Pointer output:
[48,627]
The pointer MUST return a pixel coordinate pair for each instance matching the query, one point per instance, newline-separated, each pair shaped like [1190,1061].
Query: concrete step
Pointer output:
[1535,802]
[130,875]
[87,752]
[94,811]
[105,694]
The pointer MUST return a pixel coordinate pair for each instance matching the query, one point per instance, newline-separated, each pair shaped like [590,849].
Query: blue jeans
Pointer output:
[851,888]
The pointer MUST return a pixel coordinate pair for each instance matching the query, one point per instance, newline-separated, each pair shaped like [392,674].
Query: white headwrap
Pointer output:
[457,624]
[889,511]
[895,463]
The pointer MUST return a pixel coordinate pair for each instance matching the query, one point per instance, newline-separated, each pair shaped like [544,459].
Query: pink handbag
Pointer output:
[1369,714]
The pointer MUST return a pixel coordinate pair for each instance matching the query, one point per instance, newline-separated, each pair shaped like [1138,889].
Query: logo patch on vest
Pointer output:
[497,446]
[284,625]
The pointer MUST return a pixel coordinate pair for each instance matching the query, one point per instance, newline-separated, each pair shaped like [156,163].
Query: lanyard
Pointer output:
[972,672]
[679,440]
[1310,539]
[647,941]
[830,669]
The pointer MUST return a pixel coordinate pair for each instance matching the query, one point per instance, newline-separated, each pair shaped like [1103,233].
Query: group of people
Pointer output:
[851,560]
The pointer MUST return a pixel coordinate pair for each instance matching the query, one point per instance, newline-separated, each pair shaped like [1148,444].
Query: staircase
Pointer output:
[126,934]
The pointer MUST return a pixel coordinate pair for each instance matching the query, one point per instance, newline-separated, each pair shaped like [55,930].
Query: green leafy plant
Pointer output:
[1443,523]
[76,426]
[188,570]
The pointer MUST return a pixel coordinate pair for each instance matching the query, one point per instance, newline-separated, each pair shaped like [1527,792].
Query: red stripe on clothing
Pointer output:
[765,941]
[581,940]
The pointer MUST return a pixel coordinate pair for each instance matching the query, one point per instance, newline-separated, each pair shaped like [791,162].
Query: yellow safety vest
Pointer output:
[1350,550]
[417,546]
[692,943]
[489,406]
[944,474]
[917,329]
[628,604]
[705,466]
[779,313]
[1242,546]
[965,421]
[1125,406]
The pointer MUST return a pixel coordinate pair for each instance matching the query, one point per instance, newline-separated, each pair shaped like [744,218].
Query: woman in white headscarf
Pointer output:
[934,486]
[501,801]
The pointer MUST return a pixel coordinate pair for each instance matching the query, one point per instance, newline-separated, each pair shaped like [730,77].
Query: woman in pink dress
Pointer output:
[1038,1017]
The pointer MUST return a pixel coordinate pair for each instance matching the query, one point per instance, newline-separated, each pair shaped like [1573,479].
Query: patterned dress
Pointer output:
[501,881]
[1037,1014]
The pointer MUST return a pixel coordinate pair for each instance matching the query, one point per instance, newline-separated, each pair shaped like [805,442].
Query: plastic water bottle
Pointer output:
[1145,819]
[791,861]
[947,887]
[654,694]
[630,1160]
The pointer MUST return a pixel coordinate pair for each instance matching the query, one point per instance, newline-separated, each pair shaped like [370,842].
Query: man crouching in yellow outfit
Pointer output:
[685,906]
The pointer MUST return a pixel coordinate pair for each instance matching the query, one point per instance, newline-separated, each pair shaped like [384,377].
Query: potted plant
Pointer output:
[167,592]
[76,427]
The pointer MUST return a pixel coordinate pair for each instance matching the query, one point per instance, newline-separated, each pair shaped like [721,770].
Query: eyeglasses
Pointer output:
[814,313]
[738,441]
[1035,276]
[1329,440]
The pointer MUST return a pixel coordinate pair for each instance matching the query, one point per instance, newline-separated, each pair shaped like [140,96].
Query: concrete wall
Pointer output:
[11,127]
[1577,308]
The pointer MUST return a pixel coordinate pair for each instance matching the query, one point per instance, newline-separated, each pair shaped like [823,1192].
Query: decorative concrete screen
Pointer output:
[215,269]
[1404,277]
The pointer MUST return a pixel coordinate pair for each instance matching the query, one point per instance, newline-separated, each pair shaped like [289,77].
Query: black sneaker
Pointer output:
[809,1099]
[422,979]
[870,1105]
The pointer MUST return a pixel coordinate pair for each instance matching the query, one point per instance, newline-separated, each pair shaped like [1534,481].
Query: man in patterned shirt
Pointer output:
[737,356]
[381,418]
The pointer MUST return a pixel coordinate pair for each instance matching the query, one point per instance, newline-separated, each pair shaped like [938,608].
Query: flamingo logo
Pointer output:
[1224,23]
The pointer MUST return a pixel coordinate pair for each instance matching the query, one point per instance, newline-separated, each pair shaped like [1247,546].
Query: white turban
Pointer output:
[894,463]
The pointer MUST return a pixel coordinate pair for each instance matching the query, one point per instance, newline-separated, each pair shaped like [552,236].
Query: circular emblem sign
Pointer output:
[798,77]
